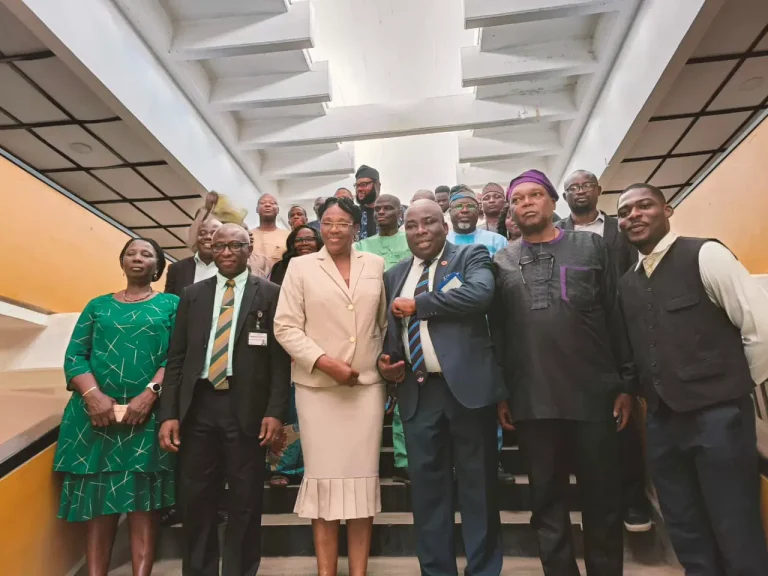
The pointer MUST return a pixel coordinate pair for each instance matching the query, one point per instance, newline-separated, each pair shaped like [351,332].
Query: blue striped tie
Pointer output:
[414,324]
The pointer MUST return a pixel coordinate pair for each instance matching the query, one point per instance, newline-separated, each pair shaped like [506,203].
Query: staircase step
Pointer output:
[511,460]
[304,566]
[393,535]
[396,497]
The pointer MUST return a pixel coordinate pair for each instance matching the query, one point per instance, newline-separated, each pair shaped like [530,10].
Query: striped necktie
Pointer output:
[414,325]
[217,373]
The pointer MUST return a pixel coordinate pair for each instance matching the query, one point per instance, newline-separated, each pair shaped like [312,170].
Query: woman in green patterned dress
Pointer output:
[108,446]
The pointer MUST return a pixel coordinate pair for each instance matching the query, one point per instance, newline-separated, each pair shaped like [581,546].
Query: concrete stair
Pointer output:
[288,547]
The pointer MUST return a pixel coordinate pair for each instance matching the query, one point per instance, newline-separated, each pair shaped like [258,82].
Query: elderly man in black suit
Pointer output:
[195,268]
[582,191]
[226,388]
[439,350]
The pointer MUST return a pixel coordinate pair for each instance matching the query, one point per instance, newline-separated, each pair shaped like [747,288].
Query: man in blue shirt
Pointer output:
[465,212]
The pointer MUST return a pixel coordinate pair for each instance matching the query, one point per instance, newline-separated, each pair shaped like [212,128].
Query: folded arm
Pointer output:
[472,297]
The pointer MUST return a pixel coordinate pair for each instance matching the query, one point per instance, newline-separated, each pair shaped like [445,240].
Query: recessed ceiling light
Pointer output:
[751,84]
[80,148]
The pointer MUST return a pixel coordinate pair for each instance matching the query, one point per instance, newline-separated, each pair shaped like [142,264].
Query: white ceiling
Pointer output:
[429,92]
[718,93]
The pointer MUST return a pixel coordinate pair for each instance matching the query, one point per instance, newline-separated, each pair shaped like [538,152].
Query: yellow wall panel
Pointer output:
[33,542]
[732,203]
[54,254]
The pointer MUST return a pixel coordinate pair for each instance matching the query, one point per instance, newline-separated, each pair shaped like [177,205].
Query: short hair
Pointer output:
[392,198]
[586,173]
[345,204]
[299,207]
[159,255]
[423,194]
[655,190]
[262,197]
[443,190]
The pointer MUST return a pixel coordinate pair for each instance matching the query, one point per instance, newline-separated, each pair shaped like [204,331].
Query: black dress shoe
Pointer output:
[505,477]
[170,517]
[637,520]
[401,475]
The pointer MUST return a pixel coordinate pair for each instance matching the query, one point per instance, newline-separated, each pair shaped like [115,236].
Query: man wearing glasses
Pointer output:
[568,369]
[465,213]
[367,188]
[225,389]
[582,191]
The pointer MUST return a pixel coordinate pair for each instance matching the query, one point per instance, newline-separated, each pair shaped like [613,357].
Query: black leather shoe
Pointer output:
[637,520]
[401,475]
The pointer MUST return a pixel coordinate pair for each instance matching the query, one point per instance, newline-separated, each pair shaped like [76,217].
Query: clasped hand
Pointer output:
[403,307]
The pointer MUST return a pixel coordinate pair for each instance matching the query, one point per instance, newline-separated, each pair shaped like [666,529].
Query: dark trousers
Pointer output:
[214,449]
[633,468]
[704,465]
[549,447]
[443,435]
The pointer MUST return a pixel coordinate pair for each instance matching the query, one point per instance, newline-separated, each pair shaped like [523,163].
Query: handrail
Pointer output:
[29,443]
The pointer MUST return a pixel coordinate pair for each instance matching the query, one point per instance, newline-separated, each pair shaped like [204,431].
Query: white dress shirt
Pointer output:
[597,225]
[221,287]
[431,363]
[731,287]
[204,271]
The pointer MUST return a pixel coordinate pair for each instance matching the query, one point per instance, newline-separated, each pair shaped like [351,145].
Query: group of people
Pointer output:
[464,325]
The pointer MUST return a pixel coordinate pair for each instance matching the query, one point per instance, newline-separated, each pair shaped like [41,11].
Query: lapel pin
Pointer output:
[444,263]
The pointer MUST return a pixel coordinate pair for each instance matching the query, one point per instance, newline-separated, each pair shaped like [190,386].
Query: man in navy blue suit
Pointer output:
[439,351]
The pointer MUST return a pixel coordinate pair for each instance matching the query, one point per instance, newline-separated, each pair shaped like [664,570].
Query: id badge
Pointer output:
[257,338]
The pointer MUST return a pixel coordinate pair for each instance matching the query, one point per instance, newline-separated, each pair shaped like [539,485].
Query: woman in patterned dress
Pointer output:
[108,446]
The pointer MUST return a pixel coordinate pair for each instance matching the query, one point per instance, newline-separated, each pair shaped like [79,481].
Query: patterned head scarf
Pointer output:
[534,177]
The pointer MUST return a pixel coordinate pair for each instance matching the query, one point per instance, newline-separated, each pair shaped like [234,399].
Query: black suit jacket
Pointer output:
[261,375]
[457,327]
[622,254]
[180,275]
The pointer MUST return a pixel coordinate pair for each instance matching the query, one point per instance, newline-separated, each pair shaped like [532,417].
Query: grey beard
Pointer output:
[463,226]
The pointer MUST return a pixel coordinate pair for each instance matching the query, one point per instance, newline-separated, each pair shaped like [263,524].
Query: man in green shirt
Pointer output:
[390,243]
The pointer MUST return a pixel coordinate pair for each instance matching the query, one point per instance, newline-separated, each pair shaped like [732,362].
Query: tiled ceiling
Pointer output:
[720,91]
[53,122]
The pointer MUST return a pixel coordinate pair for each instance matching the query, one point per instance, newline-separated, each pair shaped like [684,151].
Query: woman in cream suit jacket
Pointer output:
[331,318]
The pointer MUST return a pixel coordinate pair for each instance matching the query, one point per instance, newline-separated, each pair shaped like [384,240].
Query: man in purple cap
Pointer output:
[367,189]
[568,378]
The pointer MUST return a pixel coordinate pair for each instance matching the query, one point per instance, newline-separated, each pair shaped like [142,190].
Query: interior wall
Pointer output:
[732,203]
[55,255]
[34,542]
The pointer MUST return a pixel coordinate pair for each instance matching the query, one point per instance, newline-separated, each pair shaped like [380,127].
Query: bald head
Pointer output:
[231,249]
[425,229]
[423,195]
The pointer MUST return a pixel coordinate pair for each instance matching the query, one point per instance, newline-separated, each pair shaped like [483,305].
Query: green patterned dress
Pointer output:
[119,468]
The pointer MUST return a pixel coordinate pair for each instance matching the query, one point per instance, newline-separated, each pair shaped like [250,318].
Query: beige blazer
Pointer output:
[318,314]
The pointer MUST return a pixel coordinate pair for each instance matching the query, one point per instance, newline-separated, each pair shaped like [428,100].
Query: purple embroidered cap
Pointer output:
[535,177]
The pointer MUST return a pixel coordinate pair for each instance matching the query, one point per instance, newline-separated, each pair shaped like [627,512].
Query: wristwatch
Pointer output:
[155,387]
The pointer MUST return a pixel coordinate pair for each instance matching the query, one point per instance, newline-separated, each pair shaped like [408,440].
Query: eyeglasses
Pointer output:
[528,260]
[307,240]
[364,184]
[343,226]
[471,206]
[586,187]
[233,247]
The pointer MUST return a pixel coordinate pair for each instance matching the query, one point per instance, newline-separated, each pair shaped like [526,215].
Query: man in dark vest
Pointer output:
[698,323]
[582,191]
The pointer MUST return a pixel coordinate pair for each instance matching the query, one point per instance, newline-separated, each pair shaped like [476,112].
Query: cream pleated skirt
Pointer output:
[341,440]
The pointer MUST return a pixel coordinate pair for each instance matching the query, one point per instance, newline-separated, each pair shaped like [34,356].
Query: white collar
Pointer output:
[600,218]
[198,260]
[419,261]
[240,279]
[662,246]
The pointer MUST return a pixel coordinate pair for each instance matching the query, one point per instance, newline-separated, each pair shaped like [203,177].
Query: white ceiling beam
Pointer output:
[289,163]
[484,13]
[526,63]
[241,35]
[311,188]
[477,175]
[271,90]
[427,116]
[509,146]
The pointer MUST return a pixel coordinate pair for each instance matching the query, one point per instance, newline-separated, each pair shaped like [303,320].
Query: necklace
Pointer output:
[125,296]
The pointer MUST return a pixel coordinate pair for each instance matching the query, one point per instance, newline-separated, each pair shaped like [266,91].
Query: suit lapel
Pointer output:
[206,298]
[610,230]
[568,223]
[356,265]
[326,263]
[188,273]
[443,264]
[251,288]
